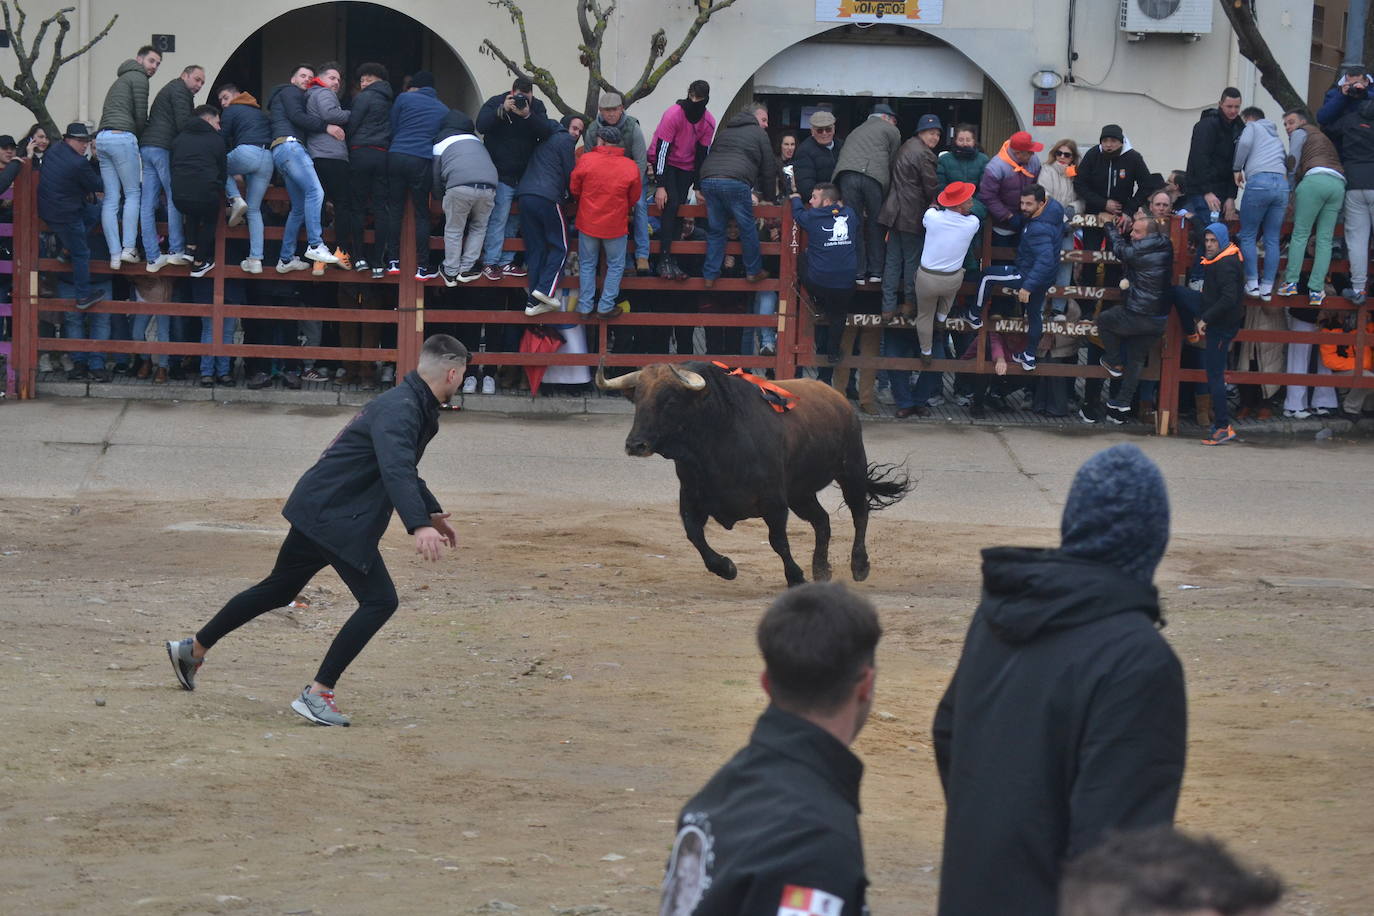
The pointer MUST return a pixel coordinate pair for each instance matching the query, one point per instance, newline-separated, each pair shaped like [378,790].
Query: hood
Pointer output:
[130,66]
[606,151]
[199,126]
[316,83]
[1221,232]
[454,123]
[1266,126]
[1053,213]
[245,98]
[742,119]
[383,87]
[426,90]
[1032,592]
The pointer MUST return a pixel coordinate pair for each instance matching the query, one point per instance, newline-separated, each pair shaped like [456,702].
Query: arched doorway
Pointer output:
[351,33]
[850,68]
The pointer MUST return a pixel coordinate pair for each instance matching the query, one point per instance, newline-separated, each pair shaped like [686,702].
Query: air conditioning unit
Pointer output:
[1166,17]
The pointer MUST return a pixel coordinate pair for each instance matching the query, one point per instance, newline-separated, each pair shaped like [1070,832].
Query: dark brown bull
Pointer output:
[738,458]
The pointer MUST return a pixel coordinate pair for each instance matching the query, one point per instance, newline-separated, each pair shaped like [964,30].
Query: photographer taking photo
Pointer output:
[512,124]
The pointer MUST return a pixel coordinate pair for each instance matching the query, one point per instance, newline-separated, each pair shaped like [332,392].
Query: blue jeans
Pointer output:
[75,237]
[215,365]
[1262,210]
[307,197]
[765,303]
[726,198]
[255,165]
[588,251]
[157,179]
[640,221]
[139,331]
[1218,346]
[500,226]
[74,324]
[119,170]
[900,343]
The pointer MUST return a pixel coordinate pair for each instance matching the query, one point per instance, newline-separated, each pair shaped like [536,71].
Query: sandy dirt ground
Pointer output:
[529,723]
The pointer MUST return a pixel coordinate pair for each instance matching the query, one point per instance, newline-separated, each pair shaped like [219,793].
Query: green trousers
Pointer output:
[1318,201]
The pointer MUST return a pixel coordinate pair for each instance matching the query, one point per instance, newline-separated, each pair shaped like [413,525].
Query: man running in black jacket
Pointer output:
[339,511]
[776,830]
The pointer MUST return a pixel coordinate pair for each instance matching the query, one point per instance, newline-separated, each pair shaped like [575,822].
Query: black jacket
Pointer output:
[243,122]
[1066,717]
[1149,267]
[813,164]
[740,151]
[369,120]
[1123,178]
[549,168]
[68,177]
[168,115]
[511,139]
[198,163]
[344,502]
[1222,283]
[287,114]
[783,812]
[1211,155]
[1353,134]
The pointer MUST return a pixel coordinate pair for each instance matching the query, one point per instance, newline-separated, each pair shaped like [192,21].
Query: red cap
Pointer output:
[1022,142]
[955,193]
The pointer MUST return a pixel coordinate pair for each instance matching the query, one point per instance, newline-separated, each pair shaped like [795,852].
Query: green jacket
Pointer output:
[870,149]
[949,168]
[126,104]
[171,112]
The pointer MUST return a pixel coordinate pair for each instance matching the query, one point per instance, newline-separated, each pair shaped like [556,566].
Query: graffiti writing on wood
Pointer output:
[959,325]
[1071,292]
[1089,257]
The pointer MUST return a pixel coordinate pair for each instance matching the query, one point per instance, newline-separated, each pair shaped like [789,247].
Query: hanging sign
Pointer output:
[1045,107]
[911,12]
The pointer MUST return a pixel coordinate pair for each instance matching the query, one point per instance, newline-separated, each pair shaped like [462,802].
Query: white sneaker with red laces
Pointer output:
[319,708]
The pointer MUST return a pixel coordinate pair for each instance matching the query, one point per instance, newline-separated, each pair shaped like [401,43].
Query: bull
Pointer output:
[738,457]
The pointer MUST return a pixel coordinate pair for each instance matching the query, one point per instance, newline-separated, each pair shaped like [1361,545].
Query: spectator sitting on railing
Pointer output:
[69,178]
[679,145]
[606,184]
[1130,329]
[198,174]
[329,153]
[288,118]
[1318,179]
[512,125]
[1221,315]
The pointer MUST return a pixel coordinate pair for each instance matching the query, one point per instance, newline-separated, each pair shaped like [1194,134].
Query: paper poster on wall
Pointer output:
[911,12]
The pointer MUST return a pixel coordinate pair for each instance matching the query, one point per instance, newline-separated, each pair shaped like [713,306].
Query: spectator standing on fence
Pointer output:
[831,258]
[610,112]
[1259,168]
[911,190]
[122,119]
[68,181]
[1007,176]
[541,193]
[169,115]
[949,228]
[1129,330]
[1355,133]
[289,121]
[198,171]
[816,155]
[1066,716]
[776,830]
[247,135]
[370,469]
[740,161]
[329,152]
[465,180]
[512,125]
[369,137]
[1221,314]
[678,148]
[415,118]
[1345,95]
[1058,177]
[1111,179]
[862,172]
[607,186]
[1211,183]
[1318,180]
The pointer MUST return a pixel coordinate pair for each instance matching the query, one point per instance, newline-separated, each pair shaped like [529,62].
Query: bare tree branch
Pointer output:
[24,88]
[1250,41]
[649,83]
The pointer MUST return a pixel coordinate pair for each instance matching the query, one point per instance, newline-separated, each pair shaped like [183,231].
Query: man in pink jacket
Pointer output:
[679,145]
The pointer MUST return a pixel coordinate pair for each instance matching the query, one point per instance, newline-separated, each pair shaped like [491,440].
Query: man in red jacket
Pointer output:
[607,186]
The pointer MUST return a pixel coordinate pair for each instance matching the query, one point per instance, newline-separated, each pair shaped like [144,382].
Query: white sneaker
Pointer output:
[489,384]
[321,254]
[158,263]
[541,308]
[470,385]
[116,263]
[130,256]
[179,258]
[251,265]
[285,267]
[547,300]
[237,210]
[1296,414]
[45,362]
[1252,290]
[1266,292]
[388,374]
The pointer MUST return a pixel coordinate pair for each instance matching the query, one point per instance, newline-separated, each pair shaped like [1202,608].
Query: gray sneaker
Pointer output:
[183,662]
[319,708]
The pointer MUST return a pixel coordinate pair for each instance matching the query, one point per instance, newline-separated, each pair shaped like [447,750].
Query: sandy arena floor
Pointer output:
[529,723]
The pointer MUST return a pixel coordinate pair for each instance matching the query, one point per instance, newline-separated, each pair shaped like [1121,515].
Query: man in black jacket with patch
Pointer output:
[1111,179]
[776,830]
[339,511]
[1066,716]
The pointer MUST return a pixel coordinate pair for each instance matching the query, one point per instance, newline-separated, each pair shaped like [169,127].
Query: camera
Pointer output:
[522,101]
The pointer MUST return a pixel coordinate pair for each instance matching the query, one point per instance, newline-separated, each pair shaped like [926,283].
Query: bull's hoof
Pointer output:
[859,568]
[820,573]
[724,567]
[794,576]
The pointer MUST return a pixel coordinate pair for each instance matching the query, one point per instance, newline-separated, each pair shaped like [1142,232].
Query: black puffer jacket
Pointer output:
[1354,134]
[511,139]
[1149,264]
[287,114]
[1211,154]
[169,114]
[369,120]
[741,152]
[1222,282]
[198,163]
[813,164]
[1123,178]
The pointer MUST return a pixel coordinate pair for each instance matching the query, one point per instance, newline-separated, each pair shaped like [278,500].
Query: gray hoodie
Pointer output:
[324,104]
[1259,149]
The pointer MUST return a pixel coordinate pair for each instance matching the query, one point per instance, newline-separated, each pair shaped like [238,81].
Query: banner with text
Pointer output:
[911,12]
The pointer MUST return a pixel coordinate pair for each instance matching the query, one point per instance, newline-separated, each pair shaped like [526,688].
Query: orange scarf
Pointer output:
[1231,249]
[1015,166]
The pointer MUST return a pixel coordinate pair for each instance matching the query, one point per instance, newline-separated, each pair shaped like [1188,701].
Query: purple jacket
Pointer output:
[1001,186]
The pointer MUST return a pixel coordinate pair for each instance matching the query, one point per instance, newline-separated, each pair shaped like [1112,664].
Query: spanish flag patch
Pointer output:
[807,901]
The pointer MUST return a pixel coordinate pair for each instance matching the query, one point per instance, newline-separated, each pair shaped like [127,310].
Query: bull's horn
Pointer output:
[692,380]
[619,383]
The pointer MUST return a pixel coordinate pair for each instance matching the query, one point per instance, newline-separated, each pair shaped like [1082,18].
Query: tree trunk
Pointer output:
[1241,14]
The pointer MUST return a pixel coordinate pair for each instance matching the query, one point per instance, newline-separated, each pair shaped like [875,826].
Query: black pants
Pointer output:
[1120,327]
[407,175]
[546,243]
[835,305]
[297,563]
[367,173]
[865,196]
[338,190]
[199,218]
[677,182]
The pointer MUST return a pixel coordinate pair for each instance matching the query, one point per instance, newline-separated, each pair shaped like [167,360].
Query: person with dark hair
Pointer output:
[1129,330]
[122,119]
[329,152]
[863,170]
[1318,179]
[678,148]
[541,192]
[369,137]
[1111,179]
[1066,716]
[606,185]
[740,162]
[169,115]
[247,133]
[465,181]
[512,125]
[1345,95]
[1259,168]
[1219,313]
[1211,181]
[338,511]
[831,260]
[776,830]
[415,118]
[34,145]
[1160,871]
[199,169]
[911,191]
[289,121]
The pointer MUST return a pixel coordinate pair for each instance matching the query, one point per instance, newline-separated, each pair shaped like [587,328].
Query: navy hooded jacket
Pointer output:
[1037,257]
[550,167]
[415,118]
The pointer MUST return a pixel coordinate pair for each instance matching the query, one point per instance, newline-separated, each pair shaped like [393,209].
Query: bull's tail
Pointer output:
[886,484]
